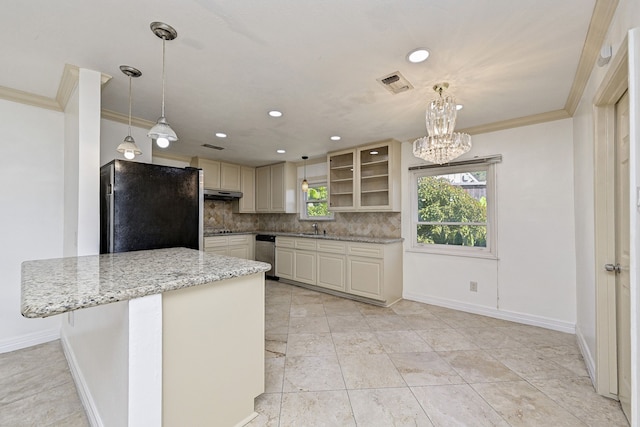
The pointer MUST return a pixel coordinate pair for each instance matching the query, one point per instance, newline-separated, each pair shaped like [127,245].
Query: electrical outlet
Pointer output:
[473,286]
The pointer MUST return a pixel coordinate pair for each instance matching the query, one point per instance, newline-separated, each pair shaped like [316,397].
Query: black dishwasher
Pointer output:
[266,252]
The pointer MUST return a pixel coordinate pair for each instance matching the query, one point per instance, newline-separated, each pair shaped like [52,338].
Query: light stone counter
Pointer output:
[361,239]
[55,286]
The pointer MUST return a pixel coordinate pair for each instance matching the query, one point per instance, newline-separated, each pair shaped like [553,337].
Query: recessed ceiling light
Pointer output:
[221,134]
[275,113]
[418,55]
[374,152]
[281,151]
[459,107]
[335,138]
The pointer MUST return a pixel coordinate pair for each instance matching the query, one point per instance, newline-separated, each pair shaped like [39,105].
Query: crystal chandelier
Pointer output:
[442,144]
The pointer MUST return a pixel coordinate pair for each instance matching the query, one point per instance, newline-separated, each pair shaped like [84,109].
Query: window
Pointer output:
[314,204]
[453,210]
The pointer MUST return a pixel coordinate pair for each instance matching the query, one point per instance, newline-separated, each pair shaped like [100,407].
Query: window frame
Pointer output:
[490,251]
[315,181]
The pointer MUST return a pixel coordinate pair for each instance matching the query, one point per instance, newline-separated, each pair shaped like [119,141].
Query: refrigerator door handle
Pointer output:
[111,207]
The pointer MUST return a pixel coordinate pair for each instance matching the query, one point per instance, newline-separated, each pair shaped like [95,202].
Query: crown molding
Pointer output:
[27,98]
[123,118]
[534,119]
[68,82]
[171,156]
[601,19]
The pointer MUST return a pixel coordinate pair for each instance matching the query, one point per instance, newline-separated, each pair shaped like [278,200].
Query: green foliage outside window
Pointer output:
[316,203]
[441,203]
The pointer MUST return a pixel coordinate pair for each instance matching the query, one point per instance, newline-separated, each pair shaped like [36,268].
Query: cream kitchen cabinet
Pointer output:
[285,263]
[305,261]
[218,175]
[365,178]
[235,245]
[332,265]
[276,188]
[372,271]
[230,177]
[247,203]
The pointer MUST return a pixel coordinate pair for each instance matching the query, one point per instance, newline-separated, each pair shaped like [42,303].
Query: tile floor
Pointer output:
[36,389]
[336,362]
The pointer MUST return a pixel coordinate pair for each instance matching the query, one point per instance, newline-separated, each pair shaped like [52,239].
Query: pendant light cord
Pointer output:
[163,44]
[129,105]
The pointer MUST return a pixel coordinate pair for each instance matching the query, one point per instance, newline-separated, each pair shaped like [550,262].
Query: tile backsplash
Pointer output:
[219,215]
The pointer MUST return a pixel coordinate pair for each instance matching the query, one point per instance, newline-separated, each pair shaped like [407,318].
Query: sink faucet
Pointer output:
[315,228]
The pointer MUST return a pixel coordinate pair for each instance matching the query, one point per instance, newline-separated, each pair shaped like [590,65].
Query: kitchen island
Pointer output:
[162,337]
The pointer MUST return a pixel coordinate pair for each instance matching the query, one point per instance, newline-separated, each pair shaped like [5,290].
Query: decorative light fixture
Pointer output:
[161,131]
[442,144]
[305,183]
[128,147]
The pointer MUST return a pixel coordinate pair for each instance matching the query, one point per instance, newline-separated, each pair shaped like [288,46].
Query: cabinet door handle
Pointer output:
[613,267]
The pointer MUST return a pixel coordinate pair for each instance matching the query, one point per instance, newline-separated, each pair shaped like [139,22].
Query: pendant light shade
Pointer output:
[128,147]
[161,132]
[305,183]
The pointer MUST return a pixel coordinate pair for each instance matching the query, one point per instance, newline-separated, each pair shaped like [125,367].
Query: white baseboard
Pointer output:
[81,385]
[589,361]
[527,319]
[28,340]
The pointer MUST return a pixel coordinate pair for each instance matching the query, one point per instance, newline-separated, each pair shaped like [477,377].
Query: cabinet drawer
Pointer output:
[215,242]
[306,244]
[285,242]
[332,246]
[366,250]
[243,239]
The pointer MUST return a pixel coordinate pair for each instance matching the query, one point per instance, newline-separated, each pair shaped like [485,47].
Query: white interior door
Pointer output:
[621,267]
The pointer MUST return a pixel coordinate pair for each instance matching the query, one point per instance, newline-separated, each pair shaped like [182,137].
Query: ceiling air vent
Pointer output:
[213,147]
[395,82]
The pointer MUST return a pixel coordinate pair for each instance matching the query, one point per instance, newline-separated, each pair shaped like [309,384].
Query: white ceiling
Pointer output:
[317,61]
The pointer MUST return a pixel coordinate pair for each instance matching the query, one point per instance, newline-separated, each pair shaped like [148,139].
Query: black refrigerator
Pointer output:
[145,206]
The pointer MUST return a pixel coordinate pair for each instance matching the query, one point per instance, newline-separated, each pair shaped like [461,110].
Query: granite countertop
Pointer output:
[361,239]
[55,286]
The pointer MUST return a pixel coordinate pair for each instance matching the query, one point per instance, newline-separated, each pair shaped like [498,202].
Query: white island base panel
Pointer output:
[193,356]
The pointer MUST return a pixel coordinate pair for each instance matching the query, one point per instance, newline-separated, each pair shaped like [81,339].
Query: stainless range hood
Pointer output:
[221,194]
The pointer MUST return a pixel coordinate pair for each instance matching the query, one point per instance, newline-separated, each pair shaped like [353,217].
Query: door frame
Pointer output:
[613,86]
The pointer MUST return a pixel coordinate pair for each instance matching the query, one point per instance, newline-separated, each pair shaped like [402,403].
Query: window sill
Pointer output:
[454,253]
[316,219]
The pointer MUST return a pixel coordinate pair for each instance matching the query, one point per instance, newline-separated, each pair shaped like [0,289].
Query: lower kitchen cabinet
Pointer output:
[365,277]
[332,271]
[305,267]
[239,245]
[284,262]
[368,270]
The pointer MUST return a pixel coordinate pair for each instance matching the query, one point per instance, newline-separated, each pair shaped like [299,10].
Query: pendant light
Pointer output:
[128,147]
[161,131]
[305,183]
[442,144]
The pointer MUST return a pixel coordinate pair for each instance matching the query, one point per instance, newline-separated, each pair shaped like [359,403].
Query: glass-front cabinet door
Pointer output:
[341,181]
[374,177]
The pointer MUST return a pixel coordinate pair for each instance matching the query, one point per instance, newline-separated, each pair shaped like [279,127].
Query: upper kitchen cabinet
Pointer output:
[365,178]
[218,175]
[230,177]
[341,180]
[276,188]
[247,203]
